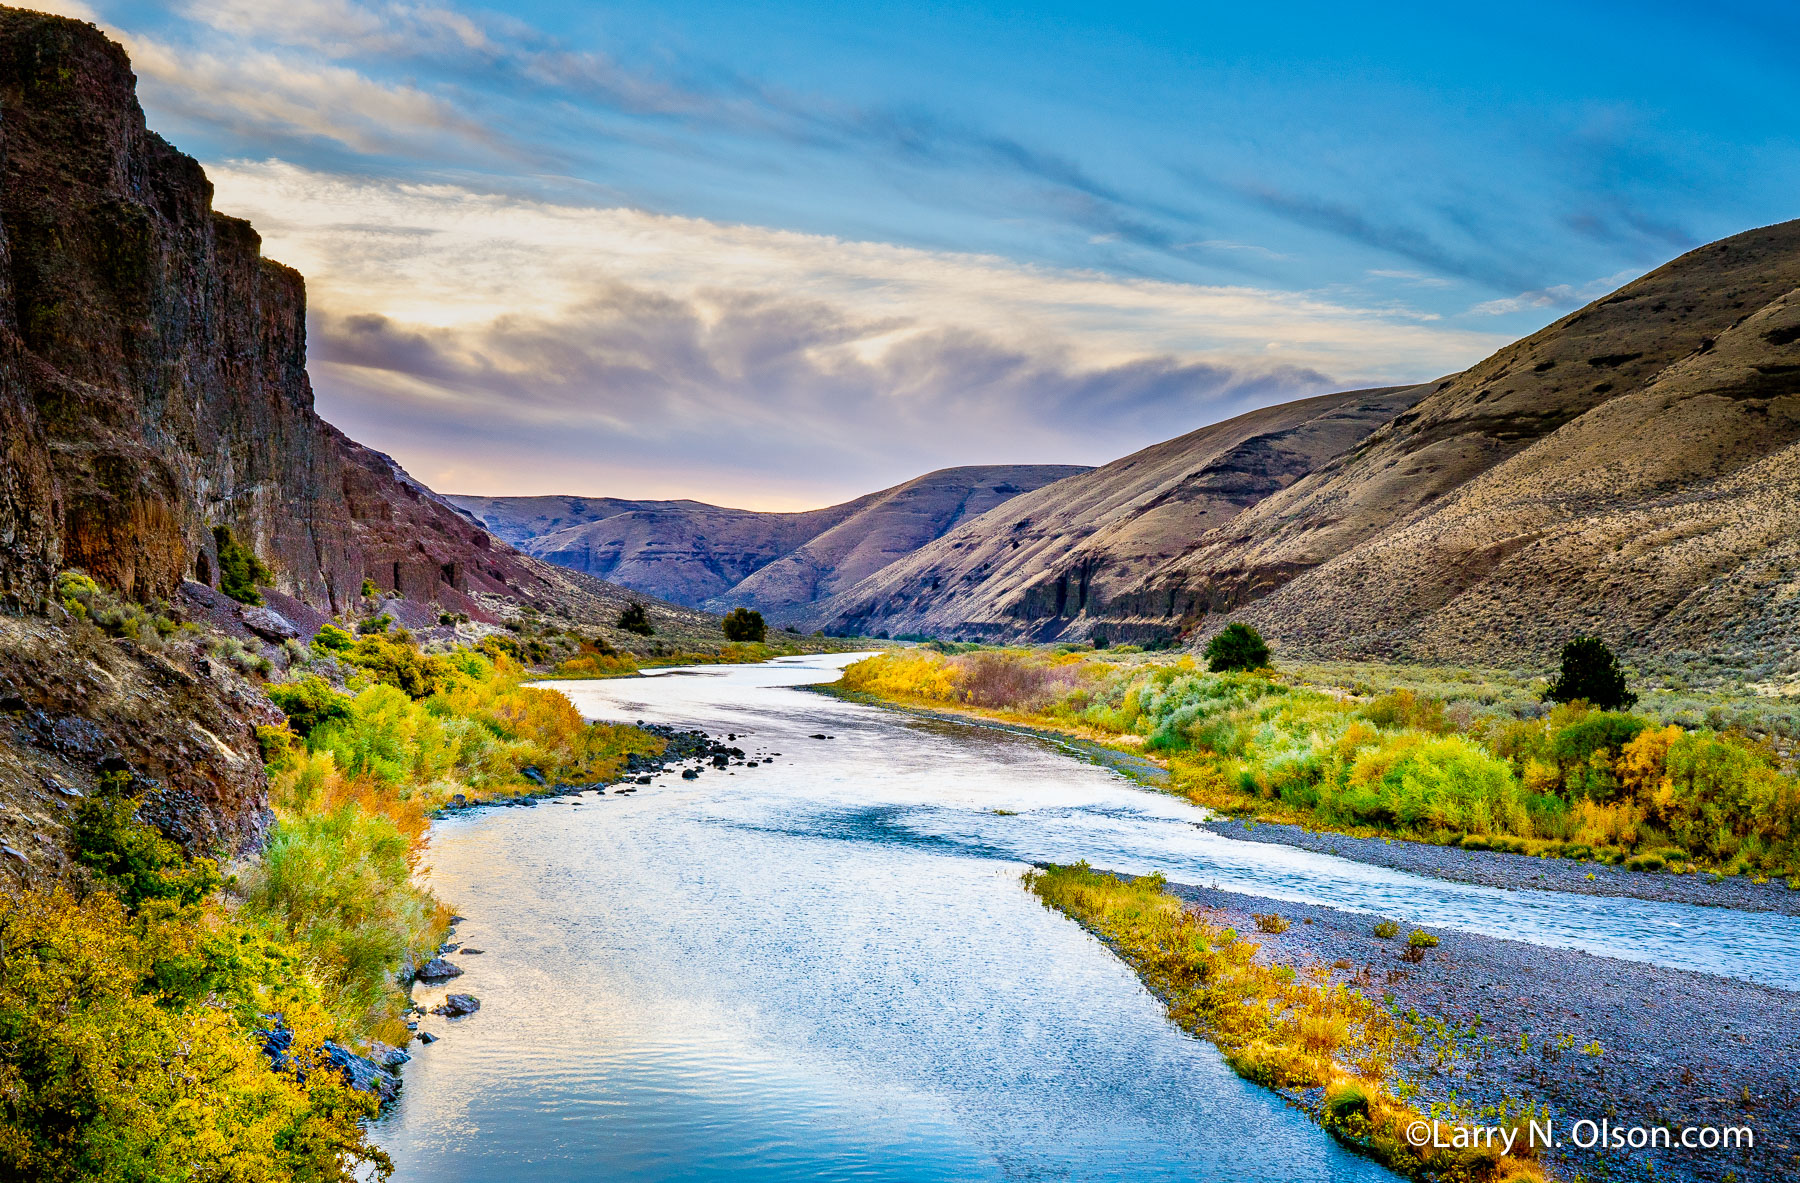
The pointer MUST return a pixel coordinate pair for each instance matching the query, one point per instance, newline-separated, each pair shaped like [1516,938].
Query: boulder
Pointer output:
[455,1006]
[269,624]
[438,970]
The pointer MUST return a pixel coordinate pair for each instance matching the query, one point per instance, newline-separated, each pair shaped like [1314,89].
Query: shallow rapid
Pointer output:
[826,968]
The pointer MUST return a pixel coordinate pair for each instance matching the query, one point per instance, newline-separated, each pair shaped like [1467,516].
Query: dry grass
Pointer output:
[1324,1046]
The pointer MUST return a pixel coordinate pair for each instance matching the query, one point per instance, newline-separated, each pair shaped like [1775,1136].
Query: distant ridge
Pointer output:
[717,558]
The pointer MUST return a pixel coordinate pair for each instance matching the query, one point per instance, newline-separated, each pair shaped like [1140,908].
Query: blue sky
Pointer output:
[777,254]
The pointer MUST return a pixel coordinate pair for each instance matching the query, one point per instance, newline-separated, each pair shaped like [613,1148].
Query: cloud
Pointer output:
[495,343]
[1405,241]
[269,95]
[1560,295]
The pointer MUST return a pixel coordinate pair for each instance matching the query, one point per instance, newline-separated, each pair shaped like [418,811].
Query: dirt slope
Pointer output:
[1053,561]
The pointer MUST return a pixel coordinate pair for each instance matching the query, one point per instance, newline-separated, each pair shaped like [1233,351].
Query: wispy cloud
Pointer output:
[1562,295]
[615,332]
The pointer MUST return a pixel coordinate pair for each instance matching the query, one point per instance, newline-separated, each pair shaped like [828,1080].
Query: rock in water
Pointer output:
[456,1006]
[438,970]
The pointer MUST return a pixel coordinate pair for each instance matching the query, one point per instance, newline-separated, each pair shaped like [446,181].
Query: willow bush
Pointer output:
[1604,783]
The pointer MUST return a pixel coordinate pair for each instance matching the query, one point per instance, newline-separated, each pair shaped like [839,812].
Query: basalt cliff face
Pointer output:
[153,371]
[153,387]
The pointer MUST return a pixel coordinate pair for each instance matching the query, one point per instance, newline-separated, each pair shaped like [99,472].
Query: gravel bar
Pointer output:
[1677,1048]
[1493,868]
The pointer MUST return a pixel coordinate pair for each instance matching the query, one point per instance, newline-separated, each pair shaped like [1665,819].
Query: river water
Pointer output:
[826,968]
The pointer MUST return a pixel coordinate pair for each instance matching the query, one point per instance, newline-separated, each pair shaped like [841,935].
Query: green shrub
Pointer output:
[1587,751]
[744,624]
[1271,922]
[309,702]
[1418,938]
[132,859]
[333,639]
[374,624]
[1237,647]
[240,571]
[1645,862]
[635,618]
[1386,929]
[1345,1100]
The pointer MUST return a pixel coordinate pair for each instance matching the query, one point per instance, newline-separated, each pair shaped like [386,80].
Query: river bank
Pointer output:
[1508,1022]
[1455,864]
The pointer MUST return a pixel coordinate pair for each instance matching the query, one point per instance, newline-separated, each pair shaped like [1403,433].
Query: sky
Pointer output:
[777,255]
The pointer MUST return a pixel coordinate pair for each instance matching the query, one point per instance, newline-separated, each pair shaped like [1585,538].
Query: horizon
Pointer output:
[732,256]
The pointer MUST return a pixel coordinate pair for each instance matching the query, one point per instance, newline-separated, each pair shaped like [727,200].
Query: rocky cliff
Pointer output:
[153,387]
[153,372]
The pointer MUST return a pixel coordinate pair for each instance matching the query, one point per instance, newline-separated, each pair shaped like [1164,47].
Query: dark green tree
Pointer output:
[1591,673]
[636,619]
[744,624]
[239,568]
[1237,647]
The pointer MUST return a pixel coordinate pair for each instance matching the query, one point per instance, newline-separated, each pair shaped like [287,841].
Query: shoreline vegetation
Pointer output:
[161,1009]
[1328,1049]
[1474,769]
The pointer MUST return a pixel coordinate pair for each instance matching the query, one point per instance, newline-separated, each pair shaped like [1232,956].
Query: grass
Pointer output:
[1324,1047]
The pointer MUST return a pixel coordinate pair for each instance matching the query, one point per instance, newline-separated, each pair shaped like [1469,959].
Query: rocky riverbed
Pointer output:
[1591,1037]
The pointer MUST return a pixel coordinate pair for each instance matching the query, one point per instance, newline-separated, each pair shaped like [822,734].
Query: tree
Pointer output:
[636,619]
[744,624]
[1590,672]
[1237,647]
[239,568]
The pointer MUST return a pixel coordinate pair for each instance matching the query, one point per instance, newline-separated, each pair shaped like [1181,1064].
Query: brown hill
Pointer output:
[720,558]
[1061,556]
[1629,470]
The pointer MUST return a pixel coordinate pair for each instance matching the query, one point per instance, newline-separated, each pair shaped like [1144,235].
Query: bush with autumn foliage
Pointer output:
[1569,780]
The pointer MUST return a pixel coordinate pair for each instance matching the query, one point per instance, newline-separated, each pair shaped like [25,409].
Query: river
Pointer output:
[825,967]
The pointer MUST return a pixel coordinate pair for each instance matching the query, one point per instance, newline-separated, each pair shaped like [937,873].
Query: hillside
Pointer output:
[1061,556]
[1628,470]
[780,563]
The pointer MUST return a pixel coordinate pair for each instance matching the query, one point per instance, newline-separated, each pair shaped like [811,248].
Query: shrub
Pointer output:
[1237,647]
[393,659]
[338,885]
[1418,938]
[744,624]
[308,703]
[132,859]
[369,591]
[635,618]
[1344,1101]
[1271,922]
[374,624]
[1590,673]
[130,1051]
[1386,929]
[240,571]
[333,639]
